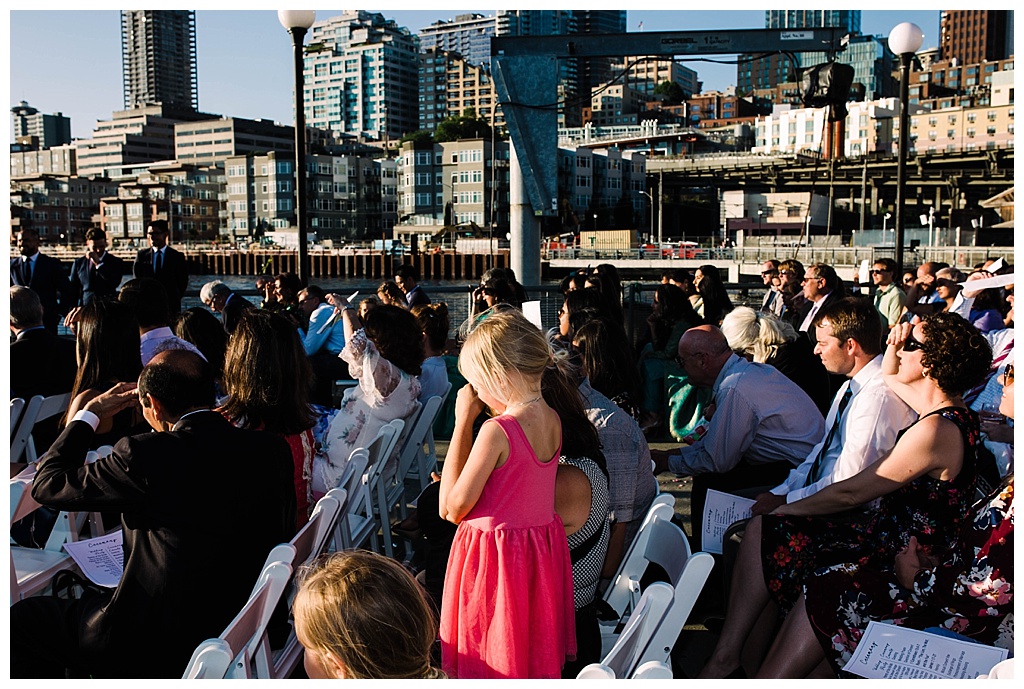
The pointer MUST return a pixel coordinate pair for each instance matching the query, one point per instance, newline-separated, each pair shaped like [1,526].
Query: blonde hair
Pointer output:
[366,611]
[756,334]
[503,352]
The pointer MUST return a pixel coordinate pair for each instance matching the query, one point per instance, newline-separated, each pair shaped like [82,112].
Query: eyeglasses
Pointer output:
[1007,376]
[910,344]
[681,358]
[810,277]
[879,272]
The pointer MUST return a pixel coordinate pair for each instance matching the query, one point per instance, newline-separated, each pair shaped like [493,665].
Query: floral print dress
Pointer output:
[793,547]
[970,593]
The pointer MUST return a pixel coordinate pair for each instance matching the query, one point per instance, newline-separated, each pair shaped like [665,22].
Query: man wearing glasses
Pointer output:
[821,287]
[166,265]
[889,298]
[773,301]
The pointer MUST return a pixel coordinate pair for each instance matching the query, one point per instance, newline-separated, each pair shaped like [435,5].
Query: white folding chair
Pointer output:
[426,461]
[391,494]
[308,543]
[231,655]
[376,467]
[662,543]
[361,524]
[50,406]
[638,632]
[17,407]
[652,669]
[354,525]
[21,434]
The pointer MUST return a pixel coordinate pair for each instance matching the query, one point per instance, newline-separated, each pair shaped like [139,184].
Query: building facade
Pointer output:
[600,189]
[449,85]
[60,161]
[363,78]
[469,35]
[214,141]
[48,130]
[158,55]
[973,36]
[60,208]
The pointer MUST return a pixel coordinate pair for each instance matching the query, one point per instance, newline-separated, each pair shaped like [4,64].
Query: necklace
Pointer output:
[522,404]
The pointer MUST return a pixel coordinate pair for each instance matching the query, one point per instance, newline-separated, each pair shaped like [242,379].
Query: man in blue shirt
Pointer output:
[324,339]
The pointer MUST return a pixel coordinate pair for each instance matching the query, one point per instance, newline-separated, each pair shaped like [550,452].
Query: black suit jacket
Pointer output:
[42,364]
[233,310]
[49,280]
[173,276]
[201,508]
[88,283]
[806,309]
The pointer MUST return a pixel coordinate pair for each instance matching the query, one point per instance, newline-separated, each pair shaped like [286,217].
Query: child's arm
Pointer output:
[468,465]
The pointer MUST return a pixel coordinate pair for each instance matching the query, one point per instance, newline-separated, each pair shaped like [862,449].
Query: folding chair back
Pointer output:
[17,407]
[231,654]
[20,436]
[380,451]
[622,590]
[426,462]
[51,406]
[638,632]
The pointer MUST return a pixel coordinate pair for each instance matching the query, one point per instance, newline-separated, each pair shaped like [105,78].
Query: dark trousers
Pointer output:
[745,479]
[52,637]
[327,368]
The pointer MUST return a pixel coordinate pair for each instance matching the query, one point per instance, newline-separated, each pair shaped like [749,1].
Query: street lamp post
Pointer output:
[296,22]
[905,39]
[651,197]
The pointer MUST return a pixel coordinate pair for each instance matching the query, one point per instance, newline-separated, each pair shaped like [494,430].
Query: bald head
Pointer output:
[703,351]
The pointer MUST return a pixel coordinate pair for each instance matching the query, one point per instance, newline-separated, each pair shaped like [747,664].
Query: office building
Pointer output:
[214,141]
[802,19]
[469,35]
[947,83]
[974,36]
[451,85]
[363,78]
[158,55]
[48,130]
[61,161]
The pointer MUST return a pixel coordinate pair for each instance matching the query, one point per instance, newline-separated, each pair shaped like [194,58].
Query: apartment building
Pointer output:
[469,35]
[48,130]
[60,207]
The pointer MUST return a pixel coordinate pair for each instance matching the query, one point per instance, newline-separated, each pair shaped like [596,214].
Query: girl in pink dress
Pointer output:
[507,610]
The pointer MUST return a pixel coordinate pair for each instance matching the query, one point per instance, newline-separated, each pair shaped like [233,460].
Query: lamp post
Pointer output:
[651,197]
[929,220]
[885,219]
[296,22]
[905,39]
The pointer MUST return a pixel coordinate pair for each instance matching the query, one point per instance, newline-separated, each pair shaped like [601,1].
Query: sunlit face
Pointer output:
[307,303]
[908,280]
[911,368]
[28,243]
[812,285]
[697,277]
[1006,401]
[283,291]
[880,276]
[945,286]
[563,320]
[404,284]
[490,297]
[768,273]
[831,351]
[97,244]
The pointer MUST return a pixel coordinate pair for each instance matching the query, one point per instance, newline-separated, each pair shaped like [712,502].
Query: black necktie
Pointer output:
[158,262]
[812,475]
[26,271]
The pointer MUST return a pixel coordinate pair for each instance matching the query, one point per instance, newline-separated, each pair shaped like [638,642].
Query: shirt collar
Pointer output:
[730,363]
[32,258]
[156,334]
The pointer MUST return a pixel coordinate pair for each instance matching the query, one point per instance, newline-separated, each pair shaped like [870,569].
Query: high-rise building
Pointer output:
[48,130]
[450,84]
[972,36]
[363,78]
[764,74]
[468,34]
[158,56]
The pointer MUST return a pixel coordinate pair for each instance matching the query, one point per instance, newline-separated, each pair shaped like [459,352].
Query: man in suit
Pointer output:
[219,298]
[98,273]
[163,263]
[407,277]
[773,301]
[821,287]
[203,503]
[44,275]
[41,363]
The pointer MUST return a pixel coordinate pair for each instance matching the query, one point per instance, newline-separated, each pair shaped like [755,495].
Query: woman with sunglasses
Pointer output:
[925,486]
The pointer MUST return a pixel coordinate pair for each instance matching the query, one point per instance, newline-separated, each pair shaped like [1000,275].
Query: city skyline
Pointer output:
[245,57]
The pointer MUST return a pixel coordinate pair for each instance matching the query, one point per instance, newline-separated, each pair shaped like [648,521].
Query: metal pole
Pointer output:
[661,204]
[298,33]
[901,161]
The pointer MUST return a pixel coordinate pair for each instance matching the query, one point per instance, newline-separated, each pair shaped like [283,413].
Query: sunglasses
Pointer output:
[769,272]
[910,344]
[809,278]
[879,272]
[1007,376]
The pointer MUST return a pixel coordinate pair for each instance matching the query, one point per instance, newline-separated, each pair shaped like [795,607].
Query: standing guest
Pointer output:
[108,353]
[148,301]
[763,425]
[41,362]
[98,273]
[716,303]
[773,301]
[164,263]
[179,527]
[219,298]
[407,279]
[507,610]
[323,341]
[44,275]
[360,615]
[266,377]
[889,299]
[433,321]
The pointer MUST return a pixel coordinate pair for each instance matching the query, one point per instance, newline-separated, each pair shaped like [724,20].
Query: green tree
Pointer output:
[421,137]
[670,92]
[464,126]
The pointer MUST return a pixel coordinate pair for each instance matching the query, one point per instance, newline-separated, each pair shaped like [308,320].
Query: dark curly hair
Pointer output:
[389,327]
[955,354]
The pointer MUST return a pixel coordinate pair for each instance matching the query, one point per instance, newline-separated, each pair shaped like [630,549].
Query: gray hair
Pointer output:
[26,309]
[212,289]
[755,334]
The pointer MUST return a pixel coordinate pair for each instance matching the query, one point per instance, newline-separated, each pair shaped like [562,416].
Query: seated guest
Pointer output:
[606,358]
[219,298]
[387,363]
[763,339]
[148,301]
[323,341]
[947,285]
[107,347]
[763,425]
[365,305]
[969,591]
[987,313]
[923,298]
[392,295]
[889,299]
[268,290]
[791,275]
[41,362]
[715,302]
[611,297]
[925,484]
[267,379]
[671,316]
[200,498]
[360,615]
[432,320]
[493,291]
[202,329]
[821,286]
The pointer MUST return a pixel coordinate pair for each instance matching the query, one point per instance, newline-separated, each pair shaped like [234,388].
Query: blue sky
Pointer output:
[70,61]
